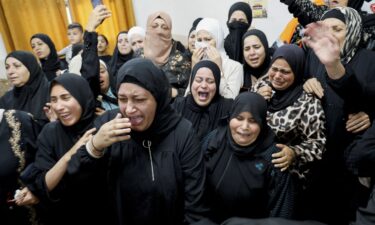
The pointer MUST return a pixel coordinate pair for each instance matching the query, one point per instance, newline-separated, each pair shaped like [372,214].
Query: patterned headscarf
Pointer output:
[353,36]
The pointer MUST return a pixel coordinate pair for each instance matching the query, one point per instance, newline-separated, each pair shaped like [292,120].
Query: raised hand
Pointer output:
[97,16]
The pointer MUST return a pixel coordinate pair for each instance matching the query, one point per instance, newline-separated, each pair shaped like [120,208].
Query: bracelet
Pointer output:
[92,150]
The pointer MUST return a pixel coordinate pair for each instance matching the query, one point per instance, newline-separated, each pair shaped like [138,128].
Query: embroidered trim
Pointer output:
[15,141]
[15,138]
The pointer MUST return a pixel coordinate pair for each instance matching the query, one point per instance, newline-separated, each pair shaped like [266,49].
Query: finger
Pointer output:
[120,138]
[120,132]
[361,128]
[281,165]
[284,168]
[279,160]
[280,146]
[90,132]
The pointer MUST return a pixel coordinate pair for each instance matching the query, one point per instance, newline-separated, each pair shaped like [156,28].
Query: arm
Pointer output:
[311,130]
[306,11]
[231,81]
[193,169]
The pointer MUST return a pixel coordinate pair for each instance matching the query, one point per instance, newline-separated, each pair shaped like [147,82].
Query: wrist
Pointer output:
[94,150]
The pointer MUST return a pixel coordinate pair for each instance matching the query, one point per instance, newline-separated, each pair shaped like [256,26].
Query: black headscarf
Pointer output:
[355,4]
[204,119]
[232,43]
[116,62]
[296,60]
[51,63]
[256,105]
[144,73]
[262,69]
[79,88]
[32,96]
[195,24]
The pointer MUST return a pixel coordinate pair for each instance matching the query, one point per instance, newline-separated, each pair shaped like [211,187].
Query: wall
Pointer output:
[3,54]
[184,12]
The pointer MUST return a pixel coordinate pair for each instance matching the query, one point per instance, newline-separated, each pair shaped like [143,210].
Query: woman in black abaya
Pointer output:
[44,48]
[204,106]
[241,179]
[68,197]
[30,92]
[239,21]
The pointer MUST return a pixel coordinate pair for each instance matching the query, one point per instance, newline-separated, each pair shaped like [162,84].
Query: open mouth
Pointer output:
[203,96]
[135,120]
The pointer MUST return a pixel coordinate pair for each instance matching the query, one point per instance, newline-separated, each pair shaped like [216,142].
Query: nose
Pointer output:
[57,106]
[244,124]
[129,108]
[251,51]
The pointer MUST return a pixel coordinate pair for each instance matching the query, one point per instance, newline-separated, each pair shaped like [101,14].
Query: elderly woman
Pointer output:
[156,168]
[165,52]
[136,37]
[241,178]
[204,107]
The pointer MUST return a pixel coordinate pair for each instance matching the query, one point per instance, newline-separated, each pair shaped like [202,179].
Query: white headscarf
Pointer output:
[136,30]
[215,29]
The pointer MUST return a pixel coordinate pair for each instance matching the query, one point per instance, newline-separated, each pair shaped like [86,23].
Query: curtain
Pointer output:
[20,19]
[122,17]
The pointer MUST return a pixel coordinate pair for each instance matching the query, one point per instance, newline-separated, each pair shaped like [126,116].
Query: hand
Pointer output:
[358,122]
[99,111]
[174,92]
[111,132]
[284,158]
[50,113]
[197,56]
[326,47]
[97,16]
[266,92]
[313,86]
[214,55]
[26,197]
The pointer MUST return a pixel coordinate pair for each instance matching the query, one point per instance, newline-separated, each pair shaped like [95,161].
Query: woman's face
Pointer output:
[66,107]
[17,72]
[137,42]
[160,26]
[244,129]
[123,44]
[191,41]
[239,16]
[337,29]
[203,87]
[102,44]
[280,74]
[104,79]
[204,36]
[40,48]
[137,104]
[253,51]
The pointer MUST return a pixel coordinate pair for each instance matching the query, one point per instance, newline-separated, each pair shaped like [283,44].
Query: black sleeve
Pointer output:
[367,215]
[305,10]
[90,62]
[361,153]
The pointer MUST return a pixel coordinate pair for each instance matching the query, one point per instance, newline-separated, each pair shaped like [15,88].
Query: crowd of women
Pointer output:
[225,131]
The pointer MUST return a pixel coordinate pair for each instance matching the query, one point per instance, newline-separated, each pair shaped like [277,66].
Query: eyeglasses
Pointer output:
[282,71]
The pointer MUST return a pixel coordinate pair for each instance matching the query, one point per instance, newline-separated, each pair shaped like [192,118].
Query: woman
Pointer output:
[102,48]
[67,196]
[156,167]
[204,107]
[239,20]
[210,45]
[45,50]
[257,57]
[291,111]
[242,180]
[18,134]
[108,99]
[136,37]
[342,77]
[192,37]
[122,53]
[30,90]
[164,52]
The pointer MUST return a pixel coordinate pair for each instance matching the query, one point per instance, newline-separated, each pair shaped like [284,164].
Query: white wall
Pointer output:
[183,13]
